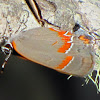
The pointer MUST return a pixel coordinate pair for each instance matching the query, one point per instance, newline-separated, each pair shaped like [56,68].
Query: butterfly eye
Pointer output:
[76,27]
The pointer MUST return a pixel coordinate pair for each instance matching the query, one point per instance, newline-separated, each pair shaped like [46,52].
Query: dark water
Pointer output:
[25,80]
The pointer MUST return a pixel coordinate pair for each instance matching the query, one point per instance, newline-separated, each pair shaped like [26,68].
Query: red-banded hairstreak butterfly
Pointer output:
[60,50]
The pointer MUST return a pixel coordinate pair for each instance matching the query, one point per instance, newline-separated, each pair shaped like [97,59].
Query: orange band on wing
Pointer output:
[65,62]
[57,30]
[64,47]
[86,40]
[54,43]
[65,39]
[14,46]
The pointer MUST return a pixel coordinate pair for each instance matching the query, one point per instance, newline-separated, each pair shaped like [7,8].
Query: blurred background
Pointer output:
[25,80]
